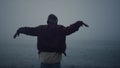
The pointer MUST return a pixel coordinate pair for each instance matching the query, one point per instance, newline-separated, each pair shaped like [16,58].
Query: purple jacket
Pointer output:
[51,38]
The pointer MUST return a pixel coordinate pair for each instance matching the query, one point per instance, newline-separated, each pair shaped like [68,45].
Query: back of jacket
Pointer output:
[51,38]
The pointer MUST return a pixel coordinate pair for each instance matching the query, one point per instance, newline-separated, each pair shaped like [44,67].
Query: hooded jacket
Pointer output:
[51,38]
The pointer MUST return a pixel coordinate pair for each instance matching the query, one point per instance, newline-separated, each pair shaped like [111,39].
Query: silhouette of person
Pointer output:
[51,40]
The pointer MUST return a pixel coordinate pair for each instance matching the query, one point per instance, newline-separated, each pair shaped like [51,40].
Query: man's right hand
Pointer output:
[85,25]
[82,23]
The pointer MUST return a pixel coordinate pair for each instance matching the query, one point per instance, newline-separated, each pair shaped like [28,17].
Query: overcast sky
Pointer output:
[103,17]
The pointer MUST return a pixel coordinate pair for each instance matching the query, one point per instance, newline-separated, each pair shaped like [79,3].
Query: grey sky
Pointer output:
[103,17]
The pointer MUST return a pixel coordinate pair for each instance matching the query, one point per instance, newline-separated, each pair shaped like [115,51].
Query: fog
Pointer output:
[102,16]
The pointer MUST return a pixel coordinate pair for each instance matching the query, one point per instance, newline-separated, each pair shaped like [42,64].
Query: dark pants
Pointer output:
[56,65]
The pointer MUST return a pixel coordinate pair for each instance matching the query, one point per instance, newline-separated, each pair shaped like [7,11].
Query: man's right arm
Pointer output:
[73,27]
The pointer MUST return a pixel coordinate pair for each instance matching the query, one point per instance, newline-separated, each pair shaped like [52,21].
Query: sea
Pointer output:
[80,54]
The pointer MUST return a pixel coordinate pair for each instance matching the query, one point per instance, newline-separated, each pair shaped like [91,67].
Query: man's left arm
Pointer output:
[32,31]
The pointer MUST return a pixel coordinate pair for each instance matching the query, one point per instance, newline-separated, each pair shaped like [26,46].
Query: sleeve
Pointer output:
[32,31]
[73,27]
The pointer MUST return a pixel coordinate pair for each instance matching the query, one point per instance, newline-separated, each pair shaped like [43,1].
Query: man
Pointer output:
[51,40]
